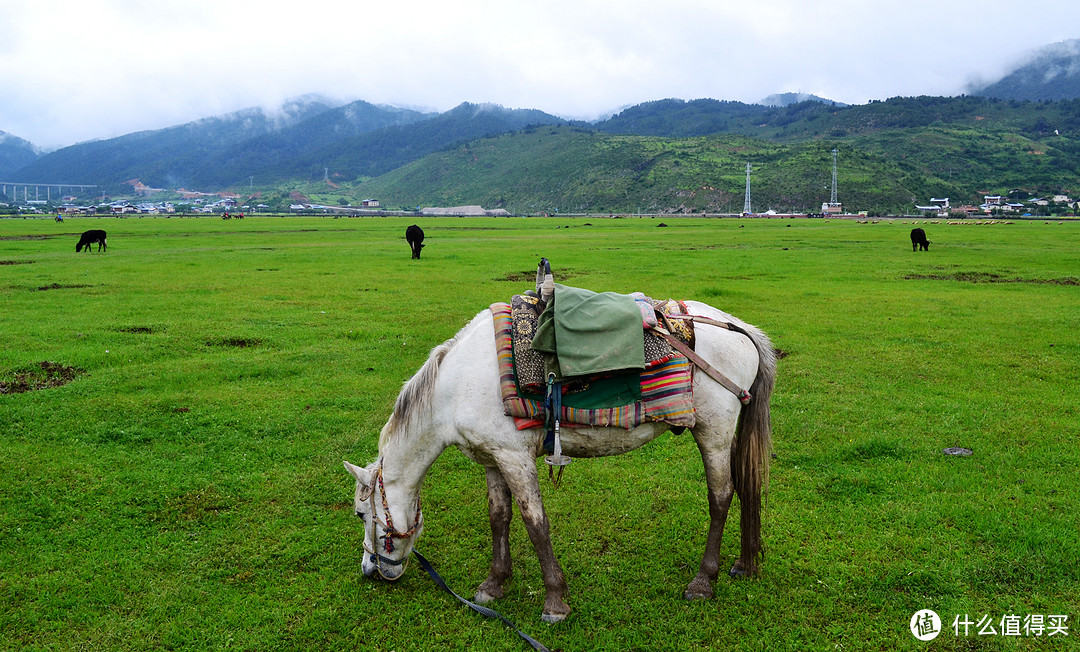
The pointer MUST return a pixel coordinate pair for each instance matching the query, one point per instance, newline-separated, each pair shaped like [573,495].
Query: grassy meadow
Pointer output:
[179,486]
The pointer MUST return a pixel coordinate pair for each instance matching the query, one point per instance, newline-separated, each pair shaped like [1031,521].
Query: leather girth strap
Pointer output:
[677,344]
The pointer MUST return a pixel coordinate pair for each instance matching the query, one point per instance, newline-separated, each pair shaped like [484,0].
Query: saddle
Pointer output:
[640,378]
[538,350]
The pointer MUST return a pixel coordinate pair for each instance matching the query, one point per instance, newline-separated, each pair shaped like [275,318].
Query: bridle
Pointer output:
[388,527]
[367,493]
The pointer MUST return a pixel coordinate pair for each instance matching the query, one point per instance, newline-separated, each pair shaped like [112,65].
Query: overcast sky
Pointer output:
[76,70]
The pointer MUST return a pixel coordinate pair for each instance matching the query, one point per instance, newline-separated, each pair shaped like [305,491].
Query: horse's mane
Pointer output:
[414,400]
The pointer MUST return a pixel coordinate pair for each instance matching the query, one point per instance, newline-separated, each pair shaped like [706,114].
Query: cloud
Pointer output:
[102,68]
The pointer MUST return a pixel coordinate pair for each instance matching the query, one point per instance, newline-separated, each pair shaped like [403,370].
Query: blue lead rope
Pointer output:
[553,405]
[480,609]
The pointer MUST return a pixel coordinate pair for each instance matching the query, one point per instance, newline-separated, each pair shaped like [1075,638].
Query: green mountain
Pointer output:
[784,99]
[346,157]
[254,146]
[672,155]
[15,153]
[1053,73]
[166,158]
[674,118]
[669,155]
[572,169]
[300,150]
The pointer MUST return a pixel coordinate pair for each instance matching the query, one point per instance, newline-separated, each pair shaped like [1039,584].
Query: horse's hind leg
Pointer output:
[717,461]
[499,513]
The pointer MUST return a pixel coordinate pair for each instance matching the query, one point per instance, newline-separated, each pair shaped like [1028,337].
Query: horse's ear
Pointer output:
[362,475]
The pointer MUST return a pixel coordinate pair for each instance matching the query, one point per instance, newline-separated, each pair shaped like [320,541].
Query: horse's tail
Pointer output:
[752,451]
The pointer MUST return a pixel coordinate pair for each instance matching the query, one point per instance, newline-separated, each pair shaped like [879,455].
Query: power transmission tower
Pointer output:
[746,200]
[832,197]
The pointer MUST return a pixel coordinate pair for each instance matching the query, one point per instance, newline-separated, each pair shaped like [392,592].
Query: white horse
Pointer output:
[454,400]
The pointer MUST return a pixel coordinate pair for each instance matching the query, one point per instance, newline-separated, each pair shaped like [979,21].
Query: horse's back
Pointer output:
[733,353]
[469,400]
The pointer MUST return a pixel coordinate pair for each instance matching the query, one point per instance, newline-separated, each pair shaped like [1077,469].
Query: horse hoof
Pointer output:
[700,588]
[551,619]
[483,597]
[738,571]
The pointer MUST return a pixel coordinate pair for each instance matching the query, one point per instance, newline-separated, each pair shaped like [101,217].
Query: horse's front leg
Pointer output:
[499,513]
[520,475]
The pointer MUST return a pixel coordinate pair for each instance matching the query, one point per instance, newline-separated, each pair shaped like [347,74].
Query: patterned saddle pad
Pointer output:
[662,392]
[529,364]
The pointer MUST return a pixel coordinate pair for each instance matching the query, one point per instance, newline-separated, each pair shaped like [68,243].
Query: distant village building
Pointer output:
[998,203]
[370,203]
[937,205]
[463,211]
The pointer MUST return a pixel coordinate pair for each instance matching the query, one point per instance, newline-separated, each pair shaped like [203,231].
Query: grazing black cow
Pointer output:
[89,238]
[918,239]
[414,235]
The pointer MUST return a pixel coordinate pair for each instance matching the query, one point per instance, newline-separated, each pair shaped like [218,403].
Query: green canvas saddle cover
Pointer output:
[583,333]
[660,392]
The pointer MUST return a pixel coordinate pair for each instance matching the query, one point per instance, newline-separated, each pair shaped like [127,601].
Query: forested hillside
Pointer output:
[1018,136]
[672,155]
[669,155]
[251,147]
[1052,74]
[15,153]
[164,158]
[571,169]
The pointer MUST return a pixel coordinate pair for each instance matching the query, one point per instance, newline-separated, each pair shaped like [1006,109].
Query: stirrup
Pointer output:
[556,459]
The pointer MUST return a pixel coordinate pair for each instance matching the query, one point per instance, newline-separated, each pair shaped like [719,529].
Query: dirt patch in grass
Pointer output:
[464,228]
[57,286]
[40,375]
[519,277]
[29,237]
[16,262]
[991,277]
[530,277]
[235,342]
[139,330]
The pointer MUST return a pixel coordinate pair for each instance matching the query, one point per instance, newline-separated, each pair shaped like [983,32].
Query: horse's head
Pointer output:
[386,549]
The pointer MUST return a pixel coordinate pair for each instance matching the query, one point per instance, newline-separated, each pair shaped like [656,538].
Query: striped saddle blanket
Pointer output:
[660,392]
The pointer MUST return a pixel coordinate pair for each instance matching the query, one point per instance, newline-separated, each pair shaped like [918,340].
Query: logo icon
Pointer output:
[925,625]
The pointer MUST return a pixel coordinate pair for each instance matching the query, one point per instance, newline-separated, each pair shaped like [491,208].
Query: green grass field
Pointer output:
[185,491]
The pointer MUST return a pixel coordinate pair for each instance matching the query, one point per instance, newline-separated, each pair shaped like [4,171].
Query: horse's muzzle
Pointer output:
[375,565]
